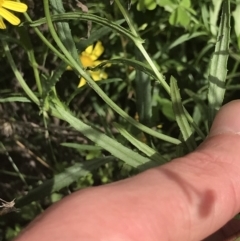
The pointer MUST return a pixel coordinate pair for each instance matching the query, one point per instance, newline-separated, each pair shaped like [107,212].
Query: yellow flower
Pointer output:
[11,18]
[89,58]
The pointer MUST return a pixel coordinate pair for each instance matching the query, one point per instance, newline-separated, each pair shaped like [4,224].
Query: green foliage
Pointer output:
[180,11]
[142,5]
[170,69]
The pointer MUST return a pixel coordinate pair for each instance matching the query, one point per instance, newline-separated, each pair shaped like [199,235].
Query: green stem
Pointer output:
[126,17]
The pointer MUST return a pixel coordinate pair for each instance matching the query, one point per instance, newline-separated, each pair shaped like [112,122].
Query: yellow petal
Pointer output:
[97,51]
[15,6]
[86,61]
[98,75]
[103,75]
[2,24]
[82,82]
[88,50]
[94,75]
[9,16]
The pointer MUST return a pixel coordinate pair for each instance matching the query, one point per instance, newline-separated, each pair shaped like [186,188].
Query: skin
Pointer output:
[188,199]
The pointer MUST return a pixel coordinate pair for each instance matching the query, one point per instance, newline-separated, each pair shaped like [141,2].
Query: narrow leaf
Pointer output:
[151,153]
[180,115]
[14,99]
[63,30]
[218,65]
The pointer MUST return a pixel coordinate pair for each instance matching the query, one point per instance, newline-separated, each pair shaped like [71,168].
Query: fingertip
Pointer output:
[227,119]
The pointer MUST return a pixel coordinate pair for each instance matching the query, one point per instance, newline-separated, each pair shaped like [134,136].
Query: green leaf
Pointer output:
[91,17]
[50,83]
[180,16]
[214,15]
[63,29]
[146,4]
[14,99]
[185,3]
[168,5]
[180,116]
[166,107]
[218,65]
[236,14]
[151,153]
[143,94]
